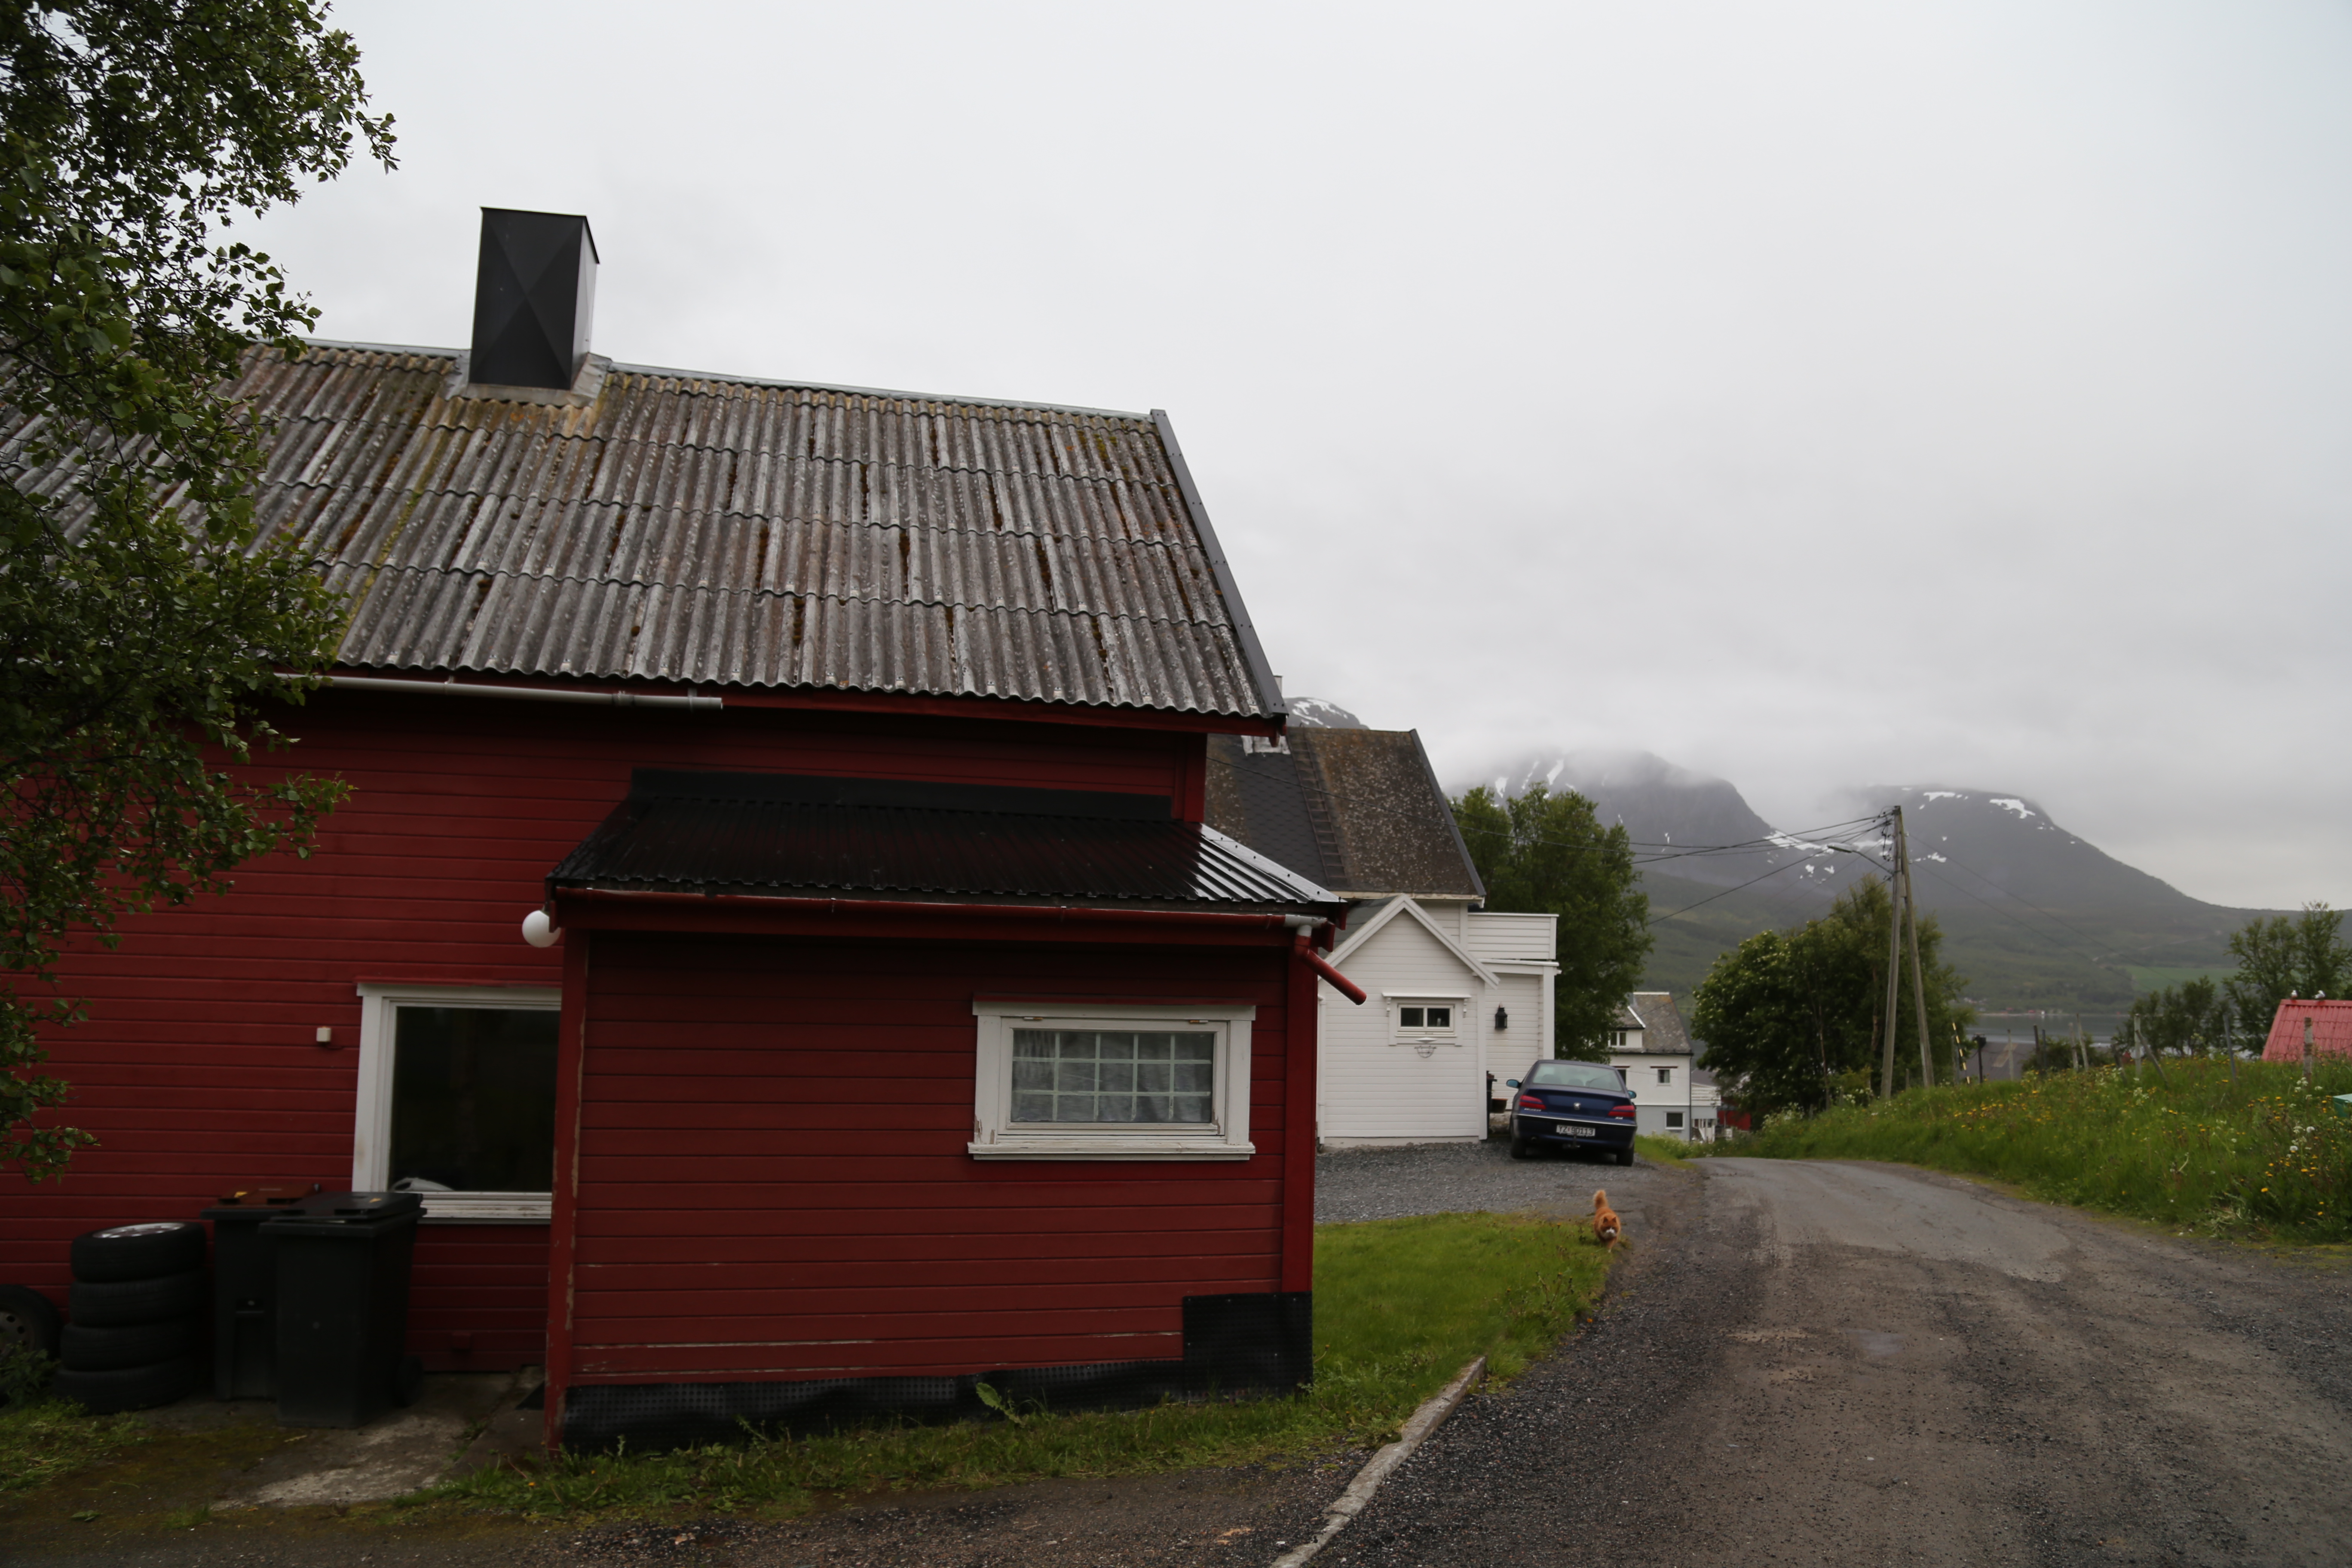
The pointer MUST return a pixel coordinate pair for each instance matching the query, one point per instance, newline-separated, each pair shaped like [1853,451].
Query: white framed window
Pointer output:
[1665,1075]
[456,1097]
[1092,1081]
[1673,1120]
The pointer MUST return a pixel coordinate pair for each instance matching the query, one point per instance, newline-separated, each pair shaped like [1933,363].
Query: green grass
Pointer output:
[1664,1151]
[1401,1306]
[41,1441]
[2257,1153]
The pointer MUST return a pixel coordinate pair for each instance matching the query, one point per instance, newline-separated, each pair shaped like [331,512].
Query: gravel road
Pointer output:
[1833,1362]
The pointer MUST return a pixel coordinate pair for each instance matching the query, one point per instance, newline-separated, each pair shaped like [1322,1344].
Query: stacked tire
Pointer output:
[135,1333]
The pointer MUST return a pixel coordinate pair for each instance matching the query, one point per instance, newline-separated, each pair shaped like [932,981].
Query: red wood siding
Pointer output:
[773,1182]
[197,1069]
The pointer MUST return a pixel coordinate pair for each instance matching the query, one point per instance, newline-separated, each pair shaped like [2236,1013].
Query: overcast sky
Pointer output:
[1812,393]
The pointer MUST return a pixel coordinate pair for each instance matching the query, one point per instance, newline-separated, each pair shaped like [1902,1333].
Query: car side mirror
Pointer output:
[1510,1083]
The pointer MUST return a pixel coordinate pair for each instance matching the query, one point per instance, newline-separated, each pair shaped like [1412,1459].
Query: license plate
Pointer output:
[1575,1131]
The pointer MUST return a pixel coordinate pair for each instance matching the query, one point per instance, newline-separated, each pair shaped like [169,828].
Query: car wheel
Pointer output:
[27,1321]
[87,1349]
[129,1388]
[1624,1156]
[138,1251]
[1521,1149]
[137,1300]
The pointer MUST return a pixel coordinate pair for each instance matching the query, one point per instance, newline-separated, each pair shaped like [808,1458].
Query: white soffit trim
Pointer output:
[1392,911]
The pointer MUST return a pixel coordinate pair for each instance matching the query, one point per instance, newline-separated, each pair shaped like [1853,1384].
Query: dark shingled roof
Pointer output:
[1661,1023]
[1358,810]
[788,836]
[679,527]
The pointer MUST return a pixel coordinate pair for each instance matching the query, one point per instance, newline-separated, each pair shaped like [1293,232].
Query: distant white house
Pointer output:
[1458,998]
[1673,1096]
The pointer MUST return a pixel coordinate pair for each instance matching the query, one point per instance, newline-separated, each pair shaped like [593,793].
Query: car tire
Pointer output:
[87,1349]
[138,1252]
[111,1305]
[129,1388]
[27,1320]
[1624,1156]
[1521,1149]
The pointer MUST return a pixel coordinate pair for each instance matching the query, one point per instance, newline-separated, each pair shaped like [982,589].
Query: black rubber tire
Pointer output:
[138,1251]
[137,1300]
[407,1381]
[1624,1156]
[27,1320]
[129,1388]
[1521,1149]
[83,1348]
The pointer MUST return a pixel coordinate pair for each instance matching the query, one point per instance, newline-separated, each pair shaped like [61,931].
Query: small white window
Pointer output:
[456,1097]
[1673,1120]
[1665,1075]
[1432,1016]
[1101,1081]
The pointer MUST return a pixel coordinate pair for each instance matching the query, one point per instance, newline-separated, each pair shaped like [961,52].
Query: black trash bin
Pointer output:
[244,1288]
[342,1307]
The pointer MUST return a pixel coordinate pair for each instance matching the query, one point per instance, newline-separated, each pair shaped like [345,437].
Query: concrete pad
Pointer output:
[396,1453]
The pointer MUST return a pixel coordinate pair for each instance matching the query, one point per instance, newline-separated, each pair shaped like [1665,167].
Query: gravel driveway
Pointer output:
[1846,1363]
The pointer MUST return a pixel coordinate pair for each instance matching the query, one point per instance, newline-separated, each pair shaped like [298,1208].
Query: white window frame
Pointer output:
[372,1132]
[996,1136]
[1674,1121]
[1665,1075]
[1451,1034]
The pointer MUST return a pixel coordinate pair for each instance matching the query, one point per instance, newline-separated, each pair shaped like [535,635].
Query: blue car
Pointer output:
[1572,1105]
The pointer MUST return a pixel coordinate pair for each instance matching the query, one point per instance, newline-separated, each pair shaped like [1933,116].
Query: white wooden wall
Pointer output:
[1375,1086]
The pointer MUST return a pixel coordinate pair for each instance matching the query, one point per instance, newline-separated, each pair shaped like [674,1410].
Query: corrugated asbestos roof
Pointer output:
[784,847]
[732,532]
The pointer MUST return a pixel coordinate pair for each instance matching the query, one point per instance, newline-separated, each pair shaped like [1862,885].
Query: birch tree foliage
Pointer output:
[144,632]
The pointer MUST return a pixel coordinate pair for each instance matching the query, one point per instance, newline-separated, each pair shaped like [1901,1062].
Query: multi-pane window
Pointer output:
[1675,1121]
[1111,1080]
[1116,1075]
[1425,1017]
[1665,1075]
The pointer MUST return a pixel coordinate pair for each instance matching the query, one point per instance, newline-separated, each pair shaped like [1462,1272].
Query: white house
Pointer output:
[1459,998]
[1654,1049]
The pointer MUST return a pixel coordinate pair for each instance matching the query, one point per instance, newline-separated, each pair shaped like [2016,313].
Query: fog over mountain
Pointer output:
[2034,915]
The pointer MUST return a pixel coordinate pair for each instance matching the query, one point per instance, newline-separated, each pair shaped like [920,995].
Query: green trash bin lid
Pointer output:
[2344,1105]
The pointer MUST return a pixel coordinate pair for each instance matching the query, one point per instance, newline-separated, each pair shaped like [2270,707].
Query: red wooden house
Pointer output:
[906,1024]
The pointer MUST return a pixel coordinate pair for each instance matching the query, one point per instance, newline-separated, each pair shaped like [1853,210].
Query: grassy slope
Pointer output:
[2257,1152]
[2074,962]
[1401,1306]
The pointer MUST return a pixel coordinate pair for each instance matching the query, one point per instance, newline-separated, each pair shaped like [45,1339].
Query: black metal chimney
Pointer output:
[533,298]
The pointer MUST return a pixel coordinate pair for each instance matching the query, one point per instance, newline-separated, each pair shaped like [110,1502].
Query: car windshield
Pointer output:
[1574,1075]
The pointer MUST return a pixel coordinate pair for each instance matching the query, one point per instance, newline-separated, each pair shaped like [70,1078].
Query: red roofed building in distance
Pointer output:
[2331,1028]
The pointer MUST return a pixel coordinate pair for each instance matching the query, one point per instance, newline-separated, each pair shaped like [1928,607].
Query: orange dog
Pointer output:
[1606,1226]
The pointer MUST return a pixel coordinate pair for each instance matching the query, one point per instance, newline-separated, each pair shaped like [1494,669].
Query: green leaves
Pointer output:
[1785,1013]
[1547,853]
[146,631]
[2280,957]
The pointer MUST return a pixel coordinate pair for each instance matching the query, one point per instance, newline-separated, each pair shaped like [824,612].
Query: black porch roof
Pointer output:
[754,834]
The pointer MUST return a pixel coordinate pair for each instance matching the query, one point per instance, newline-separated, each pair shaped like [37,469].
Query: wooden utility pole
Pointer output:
[1911,919]
[1894,970]
[2306,1048]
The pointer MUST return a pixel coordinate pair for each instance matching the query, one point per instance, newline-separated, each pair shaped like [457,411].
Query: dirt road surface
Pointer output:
[1844,1363]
